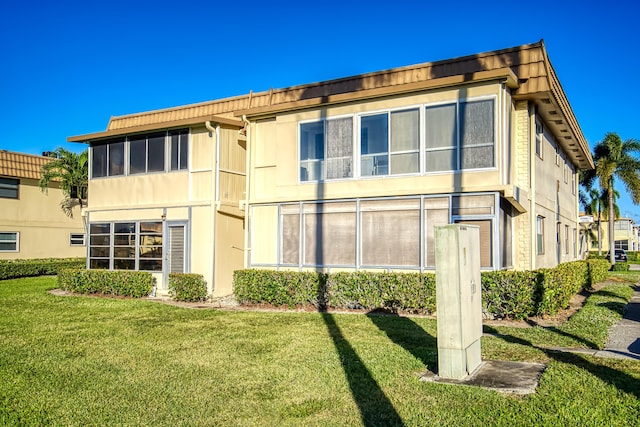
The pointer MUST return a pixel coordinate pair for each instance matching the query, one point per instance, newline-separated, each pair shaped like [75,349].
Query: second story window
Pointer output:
[146,153]
[9,188]
[326,149]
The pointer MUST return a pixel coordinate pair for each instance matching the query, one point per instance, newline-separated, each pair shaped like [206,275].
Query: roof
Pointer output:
[525,69]
[19,165]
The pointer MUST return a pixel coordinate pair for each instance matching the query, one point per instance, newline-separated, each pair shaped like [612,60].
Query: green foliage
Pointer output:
[598,270]
[13,269]
[71,171]
[187,287]
[509,294]
[505,294]
[134,284]
[620,266]
[633,256]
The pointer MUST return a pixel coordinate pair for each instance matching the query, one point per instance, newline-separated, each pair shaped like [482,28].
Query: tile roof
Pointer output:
[19,165]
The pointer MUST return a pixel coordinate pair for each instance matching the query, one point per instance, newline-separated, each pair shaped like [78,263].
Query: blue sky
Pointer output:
[67,66]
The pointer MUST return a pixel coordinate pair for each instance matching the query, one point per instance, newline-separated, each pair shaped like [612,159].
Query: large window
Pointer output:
[381,233]
[126,246]
[456,136]
[9,241]
[9,188]
[138,154]
[326,149]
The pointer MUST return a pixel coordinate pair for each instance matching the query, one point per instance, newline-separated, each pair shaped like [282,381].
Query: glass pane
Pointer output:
[374,134]
[476,157]
[473,205]
[150,251]
[330,234]
[151,227]
[124,264]
[98,161]
[8,237]
[99,251]
[312,141]
[405,130]
[8,246]
[156,153]
[404,163]
[100,228]
[391,233]
[101,264]
[175,150]
[184,149]
[150,239]
[124,252]
[99,240]
[137,155]
[486,240]
[116,158]
[339,148]
[124,239]
[441,126]
[291,239]
[124,227]
[311,170]
[374,165]
[150,265]
[441,160]
[436,213]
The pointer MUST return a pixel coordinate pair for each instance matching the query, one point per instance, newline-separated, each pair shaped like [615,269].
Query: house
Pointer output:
[625,235]
[32,222]
[346,174]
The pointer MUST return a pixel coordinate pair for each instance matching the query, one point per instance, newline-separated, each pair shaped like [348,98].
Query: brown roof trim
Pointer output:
[501,74]
[157,126]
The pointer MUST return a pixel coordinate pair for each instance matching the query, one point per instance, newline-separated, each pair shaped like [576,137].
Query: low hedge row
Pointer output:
[187,287]
[505,294]
[13,269]
[134,284]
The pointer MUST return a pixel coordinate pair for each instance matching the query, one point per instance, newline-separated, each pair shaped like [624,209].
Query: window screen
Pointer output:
[436,213]
[330,233]
[290,220]
[339,156]
[486,240]
[441,139]
[390,232]
[476,134]
[405,141]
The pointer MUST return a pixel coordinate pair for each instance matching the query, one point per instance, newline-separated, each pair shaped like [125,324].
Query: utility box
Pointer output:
[458,300]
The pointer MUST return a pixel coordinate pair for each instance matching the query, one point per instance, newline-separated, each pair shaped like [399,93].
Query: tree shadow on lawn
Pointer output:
[375,407]
[620,380]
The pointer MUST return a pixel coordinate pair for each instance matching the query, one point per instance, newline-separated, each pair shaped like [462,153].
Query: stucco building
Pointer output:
[345,174]
[32,222]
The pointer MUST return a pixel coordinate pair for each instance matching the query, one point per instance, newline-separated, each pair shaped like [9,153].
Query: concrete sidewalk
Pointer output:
[624,336]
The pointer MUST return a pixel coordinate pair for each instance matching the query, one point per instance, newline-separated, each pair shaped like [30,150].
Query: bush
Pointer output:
[134,284]
[620,266]
[598,270]
[509,294]
[505,294]
[13,269]
[187,287]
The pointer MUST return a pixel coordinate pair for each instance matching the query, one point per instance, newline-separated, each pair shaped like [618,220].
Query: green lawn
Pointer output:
[97,361]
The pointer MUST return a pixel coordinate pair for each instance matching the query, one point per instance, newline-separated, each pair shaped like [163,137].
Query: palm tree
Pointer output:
[616,159]
[71,170]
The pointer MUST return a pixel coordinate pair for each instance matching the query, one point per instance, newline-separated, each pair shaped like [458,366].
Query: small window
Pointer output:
[566,239]
[179,150]
[76,239]
[374,145]
[9,188]
[540,235]
[311,151]
[539,135]
[9,241]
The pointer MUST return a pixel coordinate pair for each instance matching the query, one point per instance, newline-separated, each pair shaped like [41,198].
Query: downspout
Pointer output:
[248,174]
[215,202]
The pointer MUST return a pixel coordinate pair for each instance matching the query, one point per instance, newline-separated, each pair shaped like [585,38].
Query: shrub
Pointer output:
[280,287]
[187,287]
[509,294]
[598,270]
[13,269]
[620,266]
[134,284]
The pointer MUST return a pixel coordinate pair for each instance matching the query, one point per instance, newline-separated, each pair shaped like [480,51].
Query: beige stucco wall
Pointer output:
[42,225]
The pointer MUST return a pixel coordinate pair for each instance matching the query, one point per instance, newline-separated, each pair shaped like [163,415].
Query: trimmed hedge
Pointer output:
[620,266]
[134,284]
[505,294]
[187,287]
[13,269]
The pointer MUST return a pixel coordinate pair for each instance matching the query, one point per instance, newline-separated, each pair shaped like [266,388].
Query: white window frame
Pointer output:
[77,237]
[16,240]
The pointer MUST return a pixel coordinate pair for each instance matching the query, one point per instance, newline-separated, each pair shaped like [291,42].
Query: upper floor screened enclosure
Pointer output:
[163,151]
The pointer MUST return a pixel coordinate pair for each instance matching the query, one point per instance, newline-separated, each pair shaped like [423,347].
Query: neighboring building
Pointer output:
[347,174]
[32,223]
[625,235]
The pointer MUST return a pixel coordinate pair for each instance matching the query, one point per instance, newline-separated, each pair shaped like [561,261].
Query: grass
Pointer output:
[98,361]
